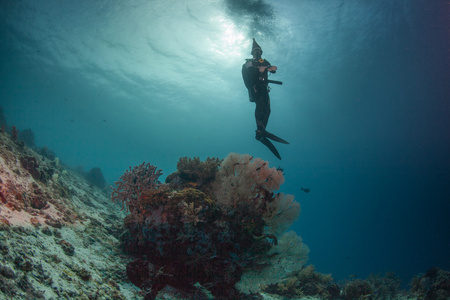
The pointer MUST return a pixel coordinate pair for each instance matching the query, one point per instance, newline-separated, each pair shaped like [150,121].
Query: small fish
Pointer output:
[306,190]
[353,276]
[191,184]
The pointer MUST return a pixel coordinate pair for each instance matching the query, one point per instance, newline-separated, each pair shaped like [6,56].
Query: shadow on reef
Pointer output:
[209,223]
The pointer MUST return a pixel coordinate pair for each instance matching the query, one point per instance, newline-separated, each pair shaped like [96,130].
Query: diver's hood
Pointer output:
[255,46]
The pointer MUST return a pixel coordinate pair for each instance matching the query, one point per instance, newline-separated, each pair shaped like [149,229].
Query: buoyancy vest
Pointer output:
[251,74]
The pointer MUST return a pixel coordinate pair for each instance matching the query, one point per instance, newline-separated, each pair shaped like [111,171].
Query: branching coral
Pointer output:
[133,182]
[190,212]
[192,172]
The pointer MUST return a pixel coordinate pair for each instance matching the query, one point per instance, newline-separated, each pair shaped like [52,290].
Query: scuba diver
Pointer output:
[255,75]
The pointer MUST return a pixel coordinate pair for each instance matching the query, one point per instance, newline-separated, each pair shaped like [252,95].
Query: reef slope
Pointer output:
[58,233]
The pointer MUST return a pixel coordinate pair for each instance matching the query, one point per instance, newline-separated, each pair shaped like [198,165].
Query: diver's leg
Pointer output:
[266,111]
[262,110]
[259,117]
[265,119]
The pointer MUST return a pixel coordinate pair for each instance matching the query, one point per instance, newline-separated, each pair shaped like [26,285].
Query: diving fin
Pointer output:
[271,147]
[273,137]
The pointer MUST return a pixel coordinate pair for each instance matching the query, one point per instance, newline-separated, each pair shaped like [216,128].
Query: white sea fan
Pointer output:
[288,256]
[281,213]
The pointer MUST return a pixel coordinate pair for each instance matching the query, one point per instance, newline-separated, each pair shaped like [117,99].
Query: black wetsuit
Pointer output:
[258,90]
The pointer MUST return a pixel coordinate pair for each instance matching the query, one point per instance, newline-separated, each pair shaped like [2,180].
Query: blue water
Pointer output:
[365,105]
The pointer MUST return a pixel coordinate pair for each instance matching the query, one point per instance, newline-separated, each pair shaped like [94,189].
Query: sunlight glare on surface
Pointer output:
[231,42]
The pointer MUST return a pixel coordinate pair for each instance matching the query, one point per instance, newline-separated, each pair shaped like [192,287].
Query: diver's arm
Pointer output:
[271,69]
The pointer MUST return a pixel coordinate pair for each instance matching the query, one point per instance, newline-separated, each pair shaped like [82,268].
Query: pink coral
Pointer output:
[133,183]
[244,180]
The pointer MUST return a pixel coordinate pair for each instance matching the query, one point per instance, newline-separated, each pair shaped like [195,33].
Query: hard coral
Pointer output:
[306,282]
[31,165]
[194,173]
[2,197]
[194,170]
[357,289]
[38,199]
[386,286]
[38,202]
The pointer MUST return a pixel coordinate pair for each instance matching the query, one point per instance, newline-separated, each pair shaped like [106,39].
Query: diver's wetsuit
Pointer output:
[258,91]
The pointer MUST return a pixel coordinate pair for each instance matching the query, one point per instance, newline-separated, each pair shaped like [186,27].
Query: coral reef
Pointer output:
[306,282]
[244,182]
[192,172]
[357,289]
[384,287]
[288,256]
[309,283]
[433,285]
[374,287]
[31,164]
[215,229]
[57,236]
[242,179]
[208,225]
[133,182]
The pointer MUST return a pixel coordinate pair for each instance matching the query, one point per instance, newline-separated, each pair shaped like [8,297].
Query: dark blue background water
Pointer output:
[365,104]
